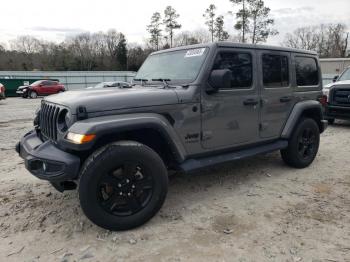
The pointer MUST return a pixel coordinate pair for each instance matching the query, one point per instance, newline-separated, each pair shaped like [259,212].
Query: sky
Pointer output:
[55,20]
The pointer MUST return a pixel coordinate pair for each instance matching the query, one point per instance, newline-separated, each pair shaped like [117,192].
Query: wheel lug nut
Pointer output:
[119,185]
[129,194]
[127,181]
[133,186]
[121,193]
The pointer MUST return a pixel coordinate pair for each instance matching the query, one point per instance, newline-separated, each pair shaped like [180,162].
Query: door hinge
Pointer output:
[263,126]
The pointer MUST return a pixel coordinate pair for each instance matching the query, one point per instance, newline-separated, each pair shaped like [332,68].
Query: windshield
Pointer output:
[345,75]
[178,66]
[36,83]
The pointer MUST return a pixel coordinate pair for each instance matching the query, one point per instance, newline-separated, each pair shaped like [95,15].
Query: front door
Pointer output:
[230,117]
[276,91]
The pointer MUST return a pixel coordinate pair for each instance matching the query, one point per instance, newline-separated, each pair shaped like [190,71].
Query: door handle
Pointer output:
[285,99]
[250,102]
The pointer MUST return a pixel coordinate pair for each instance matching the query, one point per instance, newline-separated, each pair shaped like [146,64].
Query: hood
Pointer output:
[105,99]
[22,87]
[345,82]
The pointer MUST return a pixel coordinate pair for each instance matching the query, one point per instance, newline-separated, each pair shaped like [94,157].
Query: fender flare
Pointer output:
[106,125]
[297,111]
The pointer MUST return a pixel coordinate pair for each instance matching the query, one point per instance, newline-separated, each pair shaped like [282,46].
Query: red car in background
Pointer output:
[2,91]
[40,88]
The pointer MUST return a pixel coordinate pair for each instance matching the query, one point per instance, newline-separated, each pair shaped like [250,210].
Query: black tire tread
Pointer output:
[290,155]
[104,153]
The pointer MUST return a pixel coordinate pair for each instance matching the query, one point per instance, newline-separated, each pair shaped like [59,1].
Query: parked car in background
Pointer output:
[40,88]
[119,84]
[337,97]
[2,91]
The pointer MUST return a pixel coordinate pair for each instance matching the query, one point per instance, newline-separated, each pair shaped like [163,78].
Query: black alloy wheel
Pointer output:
[125,190]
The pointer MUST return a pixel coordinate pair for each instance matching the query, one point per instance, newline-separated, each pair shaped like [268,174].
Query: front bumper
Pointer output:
[340,112]
[21,92]
[44,160]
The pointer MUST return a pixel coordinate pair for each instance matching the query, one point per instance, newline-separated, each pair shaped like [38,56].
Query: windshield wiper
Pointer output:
[140,80]
[164,80]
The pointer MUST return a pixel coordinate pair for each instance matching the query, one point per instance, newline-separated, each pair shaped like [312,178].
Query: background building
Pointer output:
[332,67]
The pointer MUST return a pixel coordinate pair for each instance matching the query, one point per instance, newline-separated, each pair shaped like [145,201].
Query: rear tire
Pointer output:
[303,144]
[122,185]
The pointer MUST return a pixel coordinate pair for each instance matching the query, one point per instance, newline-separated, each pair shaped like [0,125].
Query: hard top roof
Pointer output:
[239,45]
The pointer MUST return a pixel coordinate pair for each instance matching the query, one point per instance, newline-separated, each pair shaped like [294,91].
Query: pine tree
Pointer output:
[122,53]
[170,17]
[261,23]
[219,30]
[242,16]
[154,29]
[209,15]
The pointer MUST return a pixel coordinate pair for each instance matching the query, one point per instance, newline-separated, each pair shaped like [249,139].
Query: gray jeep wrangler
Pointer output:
[189,108]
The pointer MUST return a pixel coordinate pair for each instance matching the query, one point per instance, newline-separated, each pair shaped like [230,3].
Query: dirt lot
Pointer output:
[253,210]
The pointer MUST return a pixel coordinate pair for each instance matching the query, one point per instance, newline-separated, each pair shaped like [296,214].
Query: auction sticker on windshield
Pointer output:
[195,52]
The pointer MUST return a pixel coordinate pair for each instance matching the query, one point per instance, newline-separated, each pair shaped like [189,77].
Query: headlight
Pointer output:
[79,138]
[63,120]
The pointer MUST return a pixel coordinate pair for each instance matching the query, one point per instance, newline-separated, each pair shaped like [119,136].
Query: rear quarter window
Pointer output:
[306,71]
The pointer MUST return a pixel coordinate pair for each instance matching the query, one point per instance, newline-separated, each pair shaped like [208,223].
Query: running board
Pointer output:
[194,164]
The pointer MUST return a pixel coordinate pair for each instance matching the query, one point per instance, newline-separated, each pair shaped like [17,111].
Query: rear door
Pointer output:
[230,117]
[277,98]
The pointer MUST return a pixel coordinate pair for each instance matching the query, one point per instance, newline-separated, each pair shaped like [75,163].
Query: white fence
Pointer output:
[72,79]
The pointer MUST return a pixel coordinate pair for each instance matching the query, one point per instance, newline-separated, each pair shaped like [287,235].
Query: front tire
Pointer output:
[122,185]
[303,144]
[33,94]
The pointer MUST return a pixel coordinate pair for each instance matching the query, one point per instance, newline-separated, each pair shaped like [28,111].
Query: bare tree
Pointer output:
[201,35]
[170,22]
[209,16]
[26,44]
[328,40]
[185,38]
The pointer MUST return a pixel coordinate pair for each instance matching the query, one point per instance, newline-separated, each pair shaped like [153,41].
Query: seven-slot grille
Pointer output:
[48,120]
[341,96]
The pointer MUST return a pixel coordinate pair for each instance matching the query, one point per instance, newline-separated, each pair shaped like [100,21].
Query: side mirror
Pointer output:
[335,78]
[220,78]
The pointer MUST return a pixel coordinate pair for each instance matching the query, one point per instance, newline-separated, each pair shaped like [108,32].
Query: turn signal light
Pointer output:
[79,138]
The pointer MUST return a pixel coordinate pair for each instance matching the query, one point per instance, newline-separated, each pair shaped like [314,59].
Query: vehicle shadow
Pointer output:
[231,175]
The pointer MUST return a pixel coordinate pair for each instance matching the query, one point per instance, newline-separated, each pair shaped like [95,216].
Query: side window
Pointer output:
[275,70]
[45,83]
[240,65]
[306,71]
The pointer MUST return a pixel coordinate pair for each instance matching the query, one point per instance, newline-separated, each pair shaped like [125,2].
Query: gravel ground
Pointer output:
[252,210]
